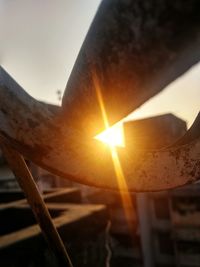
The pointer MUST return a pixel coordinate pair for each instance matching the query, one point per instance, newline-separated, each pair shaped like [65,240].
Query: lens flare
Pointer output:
[114,137]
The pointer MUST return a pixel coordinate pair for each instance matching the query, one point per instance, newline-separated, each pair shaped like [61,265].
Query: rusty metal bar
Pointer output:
[135,49]
[40,211]
[40,136]
[132,51]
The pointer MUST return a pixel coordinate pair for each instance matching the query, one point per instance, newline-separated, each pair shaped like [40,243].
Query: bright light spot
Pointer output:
[113,136]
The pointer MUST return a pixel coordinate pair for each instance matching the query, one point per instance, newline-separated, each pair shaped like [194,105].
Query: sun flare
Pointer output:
[113,136]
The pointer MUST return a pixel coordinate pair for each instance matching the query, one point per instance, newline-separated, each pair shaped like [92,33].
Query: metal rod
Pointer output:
[41,213]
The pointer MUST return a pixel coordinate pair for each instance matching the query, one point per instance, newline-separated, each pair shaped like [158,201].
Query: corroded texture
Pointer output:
[131,52]
[66,152]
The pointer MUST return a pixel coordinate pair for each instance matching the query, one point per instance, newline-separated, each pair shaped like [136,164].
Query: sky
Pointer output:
[40,40]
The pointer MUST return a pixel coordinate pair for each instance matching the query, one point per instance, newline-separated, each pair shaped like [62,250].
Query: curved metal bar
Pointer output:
[132,51]
[37,133]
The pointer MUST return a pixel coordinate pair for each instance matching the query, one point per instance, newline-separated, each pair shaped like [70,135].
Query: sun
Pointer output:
[113,136]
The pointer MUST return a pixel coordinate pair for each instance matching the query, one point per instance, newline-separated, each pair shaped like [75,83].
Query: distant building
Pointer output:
[171,222]
[154,132]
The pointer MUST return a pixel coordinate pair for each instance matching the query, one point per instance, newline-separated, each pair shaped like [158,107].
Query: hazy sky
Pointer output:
[39,42]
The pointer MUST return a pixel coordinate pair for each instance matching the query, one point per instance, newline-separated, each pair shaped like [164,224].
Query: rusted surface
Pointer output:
[66,152]
[132,51]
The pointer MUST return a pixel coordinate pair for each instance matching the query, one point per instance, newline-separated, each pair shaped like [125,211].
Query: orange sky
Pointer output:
[41,39]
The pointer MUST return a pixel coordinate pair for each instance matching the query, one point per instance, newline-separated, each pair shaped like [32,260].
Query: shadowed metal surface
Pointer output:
[37,133]
[132,51]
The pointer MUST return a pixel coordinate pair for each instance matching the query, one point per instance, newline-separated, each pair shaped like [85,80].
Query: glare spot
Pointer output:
[113,136]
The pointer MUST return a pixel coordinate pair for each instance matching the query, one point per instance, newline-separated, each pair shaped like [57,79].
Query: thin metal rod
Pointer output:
[41,213]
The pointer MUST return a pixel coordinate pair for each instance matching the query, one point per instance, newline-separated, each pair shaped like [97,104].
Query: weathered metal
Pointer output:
[30,127]
[132,51]
[40,211]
